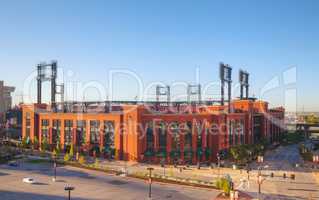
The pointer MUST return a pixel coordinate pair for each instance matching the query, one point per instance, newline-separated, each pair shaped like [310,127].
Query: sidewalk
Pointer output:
[242,196]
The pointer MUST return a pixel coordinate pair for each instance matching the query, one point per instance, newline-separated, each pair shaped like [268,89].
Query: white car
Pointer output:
[28,180]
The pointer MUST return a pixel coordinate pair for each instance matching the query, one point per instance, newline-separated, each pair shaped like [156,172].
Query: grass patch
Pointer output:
[293,138]
[37,161]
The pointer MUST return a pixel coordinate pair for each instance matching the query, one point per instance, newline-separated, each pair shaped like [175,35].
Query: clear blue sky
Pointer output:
[165,41]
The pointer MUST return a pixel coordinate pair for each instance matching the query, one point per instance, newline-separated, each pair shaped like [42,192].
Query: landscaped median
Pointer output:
[143,175]
[218,184]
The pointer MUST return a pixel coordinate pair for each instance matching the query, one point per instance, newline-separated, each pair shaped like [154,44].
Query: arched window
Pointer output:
[236,126]
[188,136]
[162,136]
[149,136]
[231,132]
[81,132]
[109,134]
[45,129]
[68,124]
[108,139]
[199,135]
[241,131]
[188,150]
[56,131]
[176,143]
[94,132]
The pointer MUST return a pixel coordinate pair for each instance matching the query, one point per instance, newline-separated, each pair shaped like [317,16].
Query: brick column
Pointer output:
[182,140]
[87,137]
[101,131]
[169,144]
[40,133]
[50,132]
[62,134]
[204,142]
[74,138]
[156,140]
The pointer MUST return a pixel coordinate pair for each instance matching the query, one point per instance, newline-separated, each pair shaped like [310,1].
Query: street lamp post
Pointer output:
[69,189]
[260,179]
[54,168]
[55,165]
[260,182]
[218,164]
[163,165]
[150,169]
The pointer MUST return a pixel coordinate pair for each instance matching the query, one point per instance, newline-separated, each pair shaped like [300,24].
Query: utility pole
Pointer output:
[218,164]
[150,182]
[54,167]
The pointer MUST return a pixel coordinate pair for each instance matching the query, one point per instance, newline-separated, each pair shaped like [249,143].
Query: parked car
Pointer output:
[28,180]
[13,164]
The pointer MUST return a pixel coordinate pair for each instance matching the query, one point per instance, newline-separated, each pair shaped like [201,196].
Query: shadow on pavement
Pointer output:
[46,169]
[38,183]
[3,174]
[280,197]
[31,196]
[305,190]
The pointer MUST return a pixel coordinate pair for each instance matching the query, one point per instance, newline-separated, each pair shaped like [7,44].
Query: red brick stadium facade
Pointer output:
[188,133]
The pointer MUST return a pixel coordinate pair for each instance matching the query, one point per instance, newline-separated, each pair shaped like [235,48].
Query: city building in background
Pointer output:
[5,100]
[13,126]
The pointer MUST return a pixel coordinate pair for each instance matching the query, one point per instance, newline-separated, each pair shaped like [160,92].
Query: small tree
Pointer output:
[25,142]
[239,153]
[224,185]
[45,145]
[235,153]
[58,148]
[55,153]
[71,151]
[82,159]
[67,157]
[97,163]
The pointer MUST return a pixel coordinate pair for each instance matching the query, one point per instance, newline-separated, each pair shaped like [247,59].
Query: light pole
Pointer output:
[248,173]
[55,165]
[163,165]
[54,168]
[150,169]
[260,179]
[218,164]
[69,189]
[260,182]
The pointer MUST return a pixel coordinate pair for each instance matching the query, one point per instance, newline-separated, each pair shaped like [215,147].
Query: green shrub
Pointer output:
[71,151]
[25,142]
[67,157]
[97,163]
[58,148]
[45,145]
[224,185]
[82,160]
[55,153]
